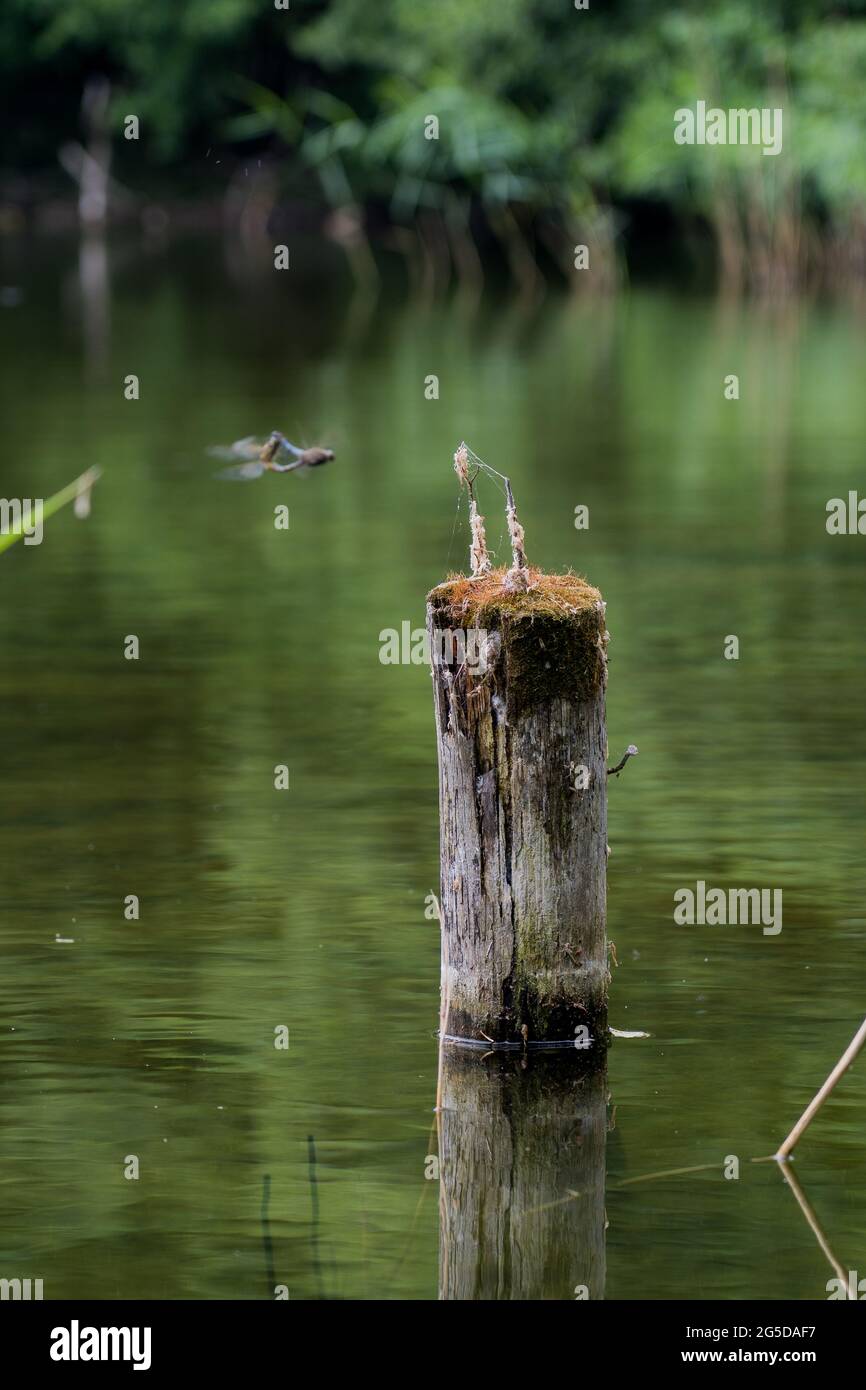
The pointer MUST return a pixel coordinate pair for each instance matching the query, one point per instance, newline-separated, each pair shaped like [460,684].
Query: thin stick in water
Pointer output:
[267,1242]
[314,1205]
[817,1101]
[815,1226]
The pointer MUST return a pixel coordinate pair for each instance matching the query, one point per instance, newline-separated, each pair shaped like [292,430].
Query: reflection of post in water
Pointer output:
[521,1174]
[89,165]
[93,284]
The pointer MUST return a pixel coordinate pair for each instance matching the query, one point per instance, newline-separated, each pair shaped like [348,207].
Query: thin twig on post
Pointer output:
[629,753]
[461,464]
[817,1101]
[517,577]
[479,558]
[478,554]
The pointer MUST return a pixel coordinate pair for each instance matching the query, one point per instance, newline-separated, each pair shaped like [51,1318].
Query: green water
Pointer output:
[306,908]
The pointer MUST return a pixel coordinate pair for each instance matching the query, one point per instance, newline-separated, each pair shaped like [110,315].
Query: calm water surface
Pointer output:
[306,908]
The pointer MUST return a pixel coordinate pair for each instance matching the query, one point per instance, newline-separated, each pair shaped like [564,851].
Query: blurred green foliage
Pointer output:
[556,112]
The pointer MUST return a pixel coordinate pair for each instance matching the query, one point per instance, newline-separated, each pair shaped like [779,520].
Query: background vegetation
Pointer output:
[555,124]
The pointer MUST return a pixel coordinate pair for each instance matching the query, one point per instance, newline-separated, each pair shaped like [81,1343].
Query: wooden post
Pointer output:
[521,1174]
[519,673]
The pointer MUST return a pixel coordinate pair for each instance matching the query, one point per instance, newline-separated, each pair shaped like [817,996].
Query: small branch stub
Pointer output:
[630,752]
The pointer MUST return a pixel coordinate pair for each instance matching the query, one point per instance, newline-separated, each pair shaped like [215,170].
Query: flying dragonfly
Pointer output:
[274,454]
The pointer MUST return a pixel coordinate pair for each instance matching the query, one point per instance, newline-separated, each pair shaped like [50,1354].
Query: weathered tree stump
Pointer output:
[521,1174]
[519,678]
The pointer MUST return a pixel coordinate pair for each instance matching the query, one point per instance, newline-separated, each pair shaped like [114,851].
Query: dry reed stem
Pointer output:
[817,1101]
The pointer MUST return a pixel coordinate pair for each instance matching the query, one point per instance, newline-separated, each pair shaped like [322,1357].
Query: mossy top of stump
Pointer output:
[552,632]
[550,595]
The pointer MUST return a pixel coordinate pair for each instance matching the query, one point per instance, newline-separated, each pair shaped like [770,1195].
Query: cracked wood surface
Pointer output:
[523,852]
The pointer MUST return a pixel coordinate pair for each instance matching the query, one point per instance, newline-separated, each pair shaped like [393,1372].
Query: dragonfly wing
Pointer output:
[248,448]
[222,451]
[243,472]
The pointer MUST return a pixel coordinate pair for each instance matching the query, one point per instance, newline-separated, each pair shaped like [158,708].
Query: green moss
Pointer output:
[553,658]
[476,602]
[552,633]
